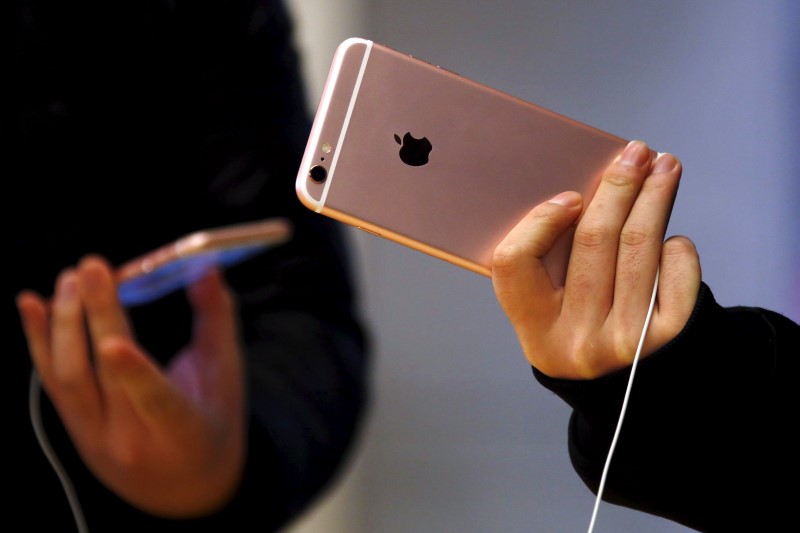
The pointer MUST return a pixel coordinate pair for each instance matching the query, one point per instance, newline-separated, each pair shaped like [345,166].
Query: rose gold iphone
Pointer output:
[447,166]
[186,260]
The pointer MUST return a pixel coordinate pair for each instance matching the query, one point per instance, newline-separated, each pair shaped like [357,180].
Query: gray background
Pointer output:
[460,437]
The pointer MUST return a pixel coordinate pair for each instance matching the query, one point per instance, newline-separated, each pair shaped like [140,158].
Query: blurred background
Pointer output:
[460,437]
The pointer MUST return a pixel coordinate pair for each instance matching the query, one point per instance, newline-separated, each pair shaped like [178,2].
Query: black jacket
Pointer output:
[708,438]
[133,123]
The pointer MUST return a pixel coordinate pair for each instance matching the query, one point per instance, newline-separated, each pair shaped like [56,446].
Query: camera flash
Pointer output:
[326,148]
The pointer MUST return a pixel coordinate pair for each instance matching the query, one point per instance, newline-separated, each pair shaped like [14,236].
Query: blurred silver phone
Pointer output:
[440,163]
[187,259]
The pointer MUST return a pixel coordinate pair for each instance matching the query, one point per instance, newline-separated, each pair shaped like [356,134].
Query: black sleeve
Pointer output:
[706,438]
[139,122]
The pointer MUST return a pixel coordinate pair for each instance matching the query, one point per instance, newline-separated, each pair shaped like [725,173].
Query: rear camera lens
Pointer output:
[318,173]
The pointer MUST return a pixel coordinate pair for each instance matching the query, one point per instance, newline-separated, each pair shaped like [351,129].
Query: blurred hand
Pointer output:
[170,442]
[592,325]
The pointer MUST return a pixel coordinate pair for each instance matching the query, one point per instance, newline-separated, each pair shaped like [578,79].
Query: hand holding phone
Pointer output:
[424,157]
[186,260]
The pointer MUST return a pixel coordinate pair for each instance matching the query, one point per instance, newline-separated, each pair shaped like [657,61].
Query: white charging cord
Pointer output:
[624,405]
[35,411]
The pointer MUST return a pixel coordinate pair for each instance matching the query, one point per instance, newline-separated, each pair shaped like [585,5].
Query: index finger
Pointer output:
[106,316]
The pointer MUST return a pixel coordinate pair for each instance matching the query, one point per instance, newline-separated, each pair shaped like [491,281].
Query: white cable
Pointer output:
[34,405]
[624,405]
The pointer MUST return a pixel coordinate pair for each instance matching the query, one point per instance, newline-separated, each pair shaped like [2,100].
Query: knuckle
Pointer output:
[626,178]
[596,356]
[634,236]
[506,257]
[625,343]
[585,355]
[591,235]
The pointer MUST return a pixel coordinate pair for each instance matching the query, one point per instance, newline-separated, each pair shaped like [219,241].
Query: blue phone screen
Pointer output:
[180,273]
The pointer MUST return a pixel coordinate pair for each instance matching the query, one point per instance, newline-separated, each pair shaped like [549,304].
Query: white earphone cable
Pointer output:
[34,405]
[624,405]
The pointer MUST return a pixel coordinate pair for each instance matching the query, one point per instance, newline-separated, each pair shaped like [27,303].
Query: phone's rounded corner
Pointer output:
[303,194]
[352,42]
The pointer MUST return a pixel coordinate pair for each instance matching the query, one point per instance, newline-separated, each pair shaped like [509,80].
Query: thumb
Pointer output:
[215,357]
[215,327]
[519,274]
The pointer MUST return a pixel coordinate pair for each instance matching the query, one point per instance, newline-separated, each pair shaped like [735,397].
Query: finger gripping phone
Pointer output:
[440,163]
[186,260]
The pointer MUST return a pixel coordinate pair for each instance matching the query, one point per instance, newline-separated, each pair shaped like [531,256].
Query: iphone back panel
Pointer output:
[427,158]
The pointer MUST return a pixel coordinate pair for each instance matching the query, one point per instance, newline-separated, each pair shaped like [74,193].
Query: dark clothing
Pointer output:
[708,439]
[132,124]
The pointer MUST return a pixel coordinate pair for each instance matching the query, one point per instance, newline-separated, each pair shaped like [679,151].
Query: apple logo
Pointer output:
[414,151]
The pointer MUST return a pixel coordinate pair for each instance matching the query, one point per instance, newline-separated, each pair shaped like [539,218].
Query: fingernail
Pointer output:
[567,199]
[636,154]
[67,286]
[664,163]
